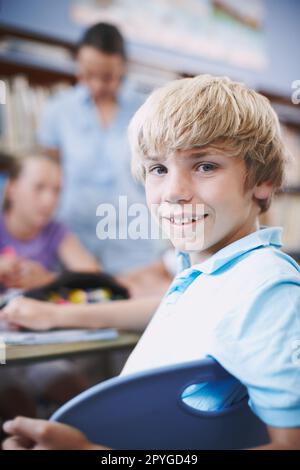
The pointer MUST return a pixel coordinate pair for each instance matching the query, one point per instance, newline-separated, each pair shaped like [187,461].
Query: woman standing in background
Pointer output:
[86,127]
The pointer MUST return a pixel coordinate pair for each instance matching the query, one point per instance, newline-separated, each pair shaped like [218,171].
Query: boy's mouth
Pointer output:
[187,220]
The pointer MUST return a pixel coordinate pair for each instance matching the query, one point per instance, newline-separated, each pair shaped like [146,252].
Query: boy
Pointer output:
[211,155]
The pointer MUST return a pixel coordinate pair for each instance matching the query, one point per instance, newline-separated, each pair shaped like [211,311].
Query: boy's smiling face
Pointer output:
[201,199]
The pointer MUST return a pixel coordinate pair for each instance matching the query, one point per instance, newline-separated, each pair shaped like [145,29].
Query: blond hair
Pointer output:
[207,110]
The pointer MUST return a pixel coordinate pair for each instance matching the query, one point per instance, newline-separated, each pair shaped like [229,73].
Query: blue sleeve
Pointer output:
[263,352]
[48,131]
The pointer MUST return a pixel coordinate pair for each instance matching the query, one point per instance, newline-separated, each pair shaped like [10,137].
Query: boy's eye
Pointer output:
[206,167]
[157,170]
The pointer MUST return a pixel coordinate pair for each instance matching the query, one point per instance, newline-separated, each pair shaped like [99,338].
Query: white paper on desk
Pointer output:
[57,337]
[9,295]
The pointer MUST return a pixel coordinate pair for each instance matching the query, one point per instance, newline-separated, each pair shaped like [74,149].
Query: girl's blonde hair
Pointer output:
[214,111]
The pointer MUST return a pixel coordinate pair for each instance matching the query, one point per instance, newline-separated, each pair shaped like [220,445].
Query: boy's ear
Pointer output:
[263,190]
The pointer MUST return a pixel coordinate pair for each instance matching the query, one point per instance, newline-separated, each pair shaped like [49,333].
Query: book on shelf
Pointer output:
[285,208]
[144,79]
[291,137]
[284,212]
[15,46]
[21,113]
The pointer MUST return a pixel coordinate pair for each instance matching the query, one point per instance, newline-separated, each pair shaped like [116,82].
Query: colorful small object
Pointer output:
[62,302]
[99,295]
[78,296]
[54,297]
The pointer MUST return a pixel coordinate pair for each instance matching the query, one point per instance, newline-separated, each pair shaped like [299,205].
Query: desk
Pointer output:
[18,354]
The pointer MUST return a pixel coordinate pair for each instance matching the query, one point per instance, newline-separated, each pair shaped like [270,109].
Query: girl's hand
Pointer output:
[9,268]
[32,274]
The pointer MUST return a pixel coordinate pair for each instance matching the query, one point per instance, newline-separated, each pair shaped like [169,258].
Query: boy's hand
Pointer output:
[29,313]
[37,434]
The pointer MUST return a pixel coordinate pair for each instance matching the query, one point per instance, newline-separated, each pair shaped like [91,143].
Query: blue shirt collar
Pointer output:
[84,95]
[265,236]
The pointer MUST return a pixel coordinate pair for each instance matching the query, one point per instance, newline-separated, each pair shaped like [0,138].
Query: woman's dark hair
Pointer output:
[105,38]
[7,162]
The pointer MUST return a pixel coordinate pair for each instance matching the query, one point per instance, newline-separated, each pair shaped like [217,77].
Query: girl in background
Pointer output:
[32,244]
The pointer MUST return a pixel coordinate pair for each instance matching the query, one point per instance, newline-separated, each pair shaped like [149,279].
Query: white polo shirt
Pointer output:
[241,306]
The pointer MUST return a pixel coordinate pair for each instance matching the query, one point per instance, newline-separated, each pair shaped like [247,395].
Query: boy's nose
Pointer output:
[177,189]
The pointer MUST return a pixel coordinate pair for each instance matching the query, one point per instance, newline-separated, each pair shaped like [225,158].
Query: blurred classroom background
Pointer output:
[255,42]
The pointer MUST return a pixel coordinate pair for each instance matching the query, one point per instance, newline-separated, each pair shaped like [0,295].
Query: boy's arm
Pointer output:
[132,314]
[145,281]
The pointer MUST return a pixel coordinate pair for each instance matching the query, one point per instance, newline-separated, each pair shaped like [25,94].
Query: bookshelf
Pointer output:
[285,209]
[32,67]
[40,57]
[18,62]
